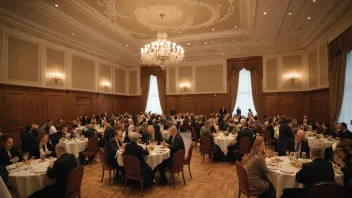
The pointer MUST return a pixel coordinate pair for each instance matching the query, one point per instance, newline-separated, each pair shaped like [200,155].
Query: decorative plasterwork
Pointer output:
[13,22]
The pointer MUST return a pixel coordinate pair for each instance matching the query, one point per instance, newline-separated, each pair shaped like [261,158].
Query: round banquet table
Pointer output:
[76,146]
[165,135]
[223,141]
[4,192]
[154,158]
[282,180]
[29,178]
[321,143]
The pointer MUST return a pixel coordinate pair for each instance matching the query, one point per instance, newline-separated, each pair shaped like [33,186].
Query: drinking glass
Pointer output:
[304,155]
[291,155]
[25,157]
[287,153]
[275,154]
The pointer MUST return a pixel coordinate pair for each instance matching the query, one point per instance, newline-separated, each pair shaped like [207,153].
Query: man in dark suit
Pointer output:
[316,171]
[318,124]
[9,154]
[48,125]
[285,132]
[151,135]
[112,147]
[133,149]
[297,144]
[90,132]
[222,111]
[108,132]
[58,170]
[175,143]
[245,132]
[238,111]
[343,132]
[28,139]
[173,112]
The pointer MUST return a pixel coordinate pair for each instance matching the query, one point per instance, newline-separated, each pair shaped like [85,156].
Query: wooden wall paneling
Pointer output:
[16,111]
[33,108]
[54,106]
[185,104]
[3,118]
[170,102]
[271,105]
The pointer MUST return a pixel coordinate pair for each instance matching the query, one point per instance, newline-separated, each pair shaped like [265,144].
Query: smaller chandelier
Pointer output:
[56,76]
[162,52]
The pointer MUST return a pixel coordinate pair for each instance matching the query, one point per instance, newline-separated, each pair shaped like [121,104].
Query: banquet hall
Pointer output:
[175,98]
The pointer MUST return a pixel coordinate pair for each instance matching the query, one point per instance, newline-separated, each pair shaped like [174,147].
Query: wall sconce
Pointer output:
[56,76]
[185,86]
[292,77]
[106,85]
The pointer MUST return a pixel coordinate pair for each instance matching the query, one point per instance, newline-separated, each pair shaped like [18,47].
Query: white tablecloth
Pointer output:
[282,180]
[223,141]
[4,192]
[165,135]
[322,143]
[76,146]
[153,159]
[27,182]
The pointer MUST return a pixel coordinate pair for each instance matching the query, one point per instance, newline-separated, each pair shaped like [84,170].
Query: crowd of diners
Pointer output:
[127,129]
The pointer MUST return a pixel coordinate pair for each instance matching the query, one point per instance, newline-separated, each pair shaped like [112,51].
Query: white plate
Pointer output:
[11,167]
[288,170]
[40,170]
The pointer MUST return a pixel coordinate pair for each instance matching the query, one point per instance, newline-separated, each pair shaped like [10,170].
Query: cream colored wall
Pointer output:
[132,82]
[205,77]
[28,61]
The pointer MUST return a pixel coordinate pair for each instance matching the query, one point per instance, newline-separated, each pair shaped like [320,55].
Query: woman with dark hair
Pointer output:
[343,157]
[43,148]
[327,131]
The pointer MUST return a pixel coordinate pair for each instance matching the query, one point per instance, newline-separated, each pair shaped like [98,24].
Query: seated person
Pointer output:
[343,157]
[133,149]
[90,132]
[43,148]
[316,171]
[185,124]
[319,129]
[151,136]
[257,171]
[28,139]
[59,170]
[206,131]
[343,132]
[327,131]
[231,127]
[245,132]
[9,154]
[297,144]
[55,137]
[174,143]
[112,147]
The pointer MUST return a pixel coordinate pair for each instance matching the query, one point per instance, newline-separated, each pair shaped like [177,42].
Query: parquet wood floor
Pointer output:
[218,180]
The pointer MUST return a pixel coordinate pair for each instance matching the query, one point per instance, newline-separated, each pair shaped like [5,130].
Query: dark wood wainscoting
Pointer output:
[314,104]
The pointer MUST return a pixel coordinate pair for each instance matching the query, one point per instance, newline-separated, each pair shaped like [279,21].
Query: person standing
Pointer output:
[238,111]
[173,112]
[222,111]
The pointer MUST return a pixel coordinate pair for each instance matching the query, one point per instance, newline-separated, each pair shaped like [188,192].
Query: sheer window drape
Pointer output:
[153,101]
[345,113]
[244,94]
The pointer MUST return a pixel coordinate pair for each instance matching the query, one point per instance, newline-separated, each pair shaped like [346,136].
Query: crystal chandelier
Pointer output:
[162,52]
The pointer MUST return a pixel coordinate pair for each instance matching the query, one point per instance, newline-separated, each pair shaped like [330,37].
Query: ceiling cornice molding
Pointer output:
[55,13]
[11,21]
[90,12]
[330,20]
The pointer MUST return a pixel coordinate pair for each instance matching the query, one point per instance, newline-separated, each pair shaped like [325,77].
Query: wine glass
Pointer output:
[304,155]
[25,157]
[275,154]
[287,153]
[291,155]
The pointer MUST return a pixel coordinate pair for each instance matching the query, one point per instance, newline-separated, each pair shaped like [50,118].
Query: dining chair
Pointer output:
[187,160]
[244,145]
[105,165]
[267,137]
[207,148]
[243,186]
[74,181]
[92,149]
[194,137]
[327,189]
[177,165]
[132,171]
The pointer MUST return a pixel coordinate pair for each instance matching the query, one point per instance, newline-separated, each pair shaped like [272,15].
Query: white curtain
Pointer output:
[345,114]
[244,94]
[153,102]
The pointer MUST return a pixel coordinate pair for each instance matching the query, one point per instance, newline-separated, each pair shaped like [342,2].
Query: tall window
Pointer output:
[244,94]
[153,102]
[345,114]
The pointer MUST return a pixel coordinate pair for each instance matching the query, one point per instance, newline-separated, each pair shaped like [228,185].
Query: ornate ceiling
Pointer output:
[205,28]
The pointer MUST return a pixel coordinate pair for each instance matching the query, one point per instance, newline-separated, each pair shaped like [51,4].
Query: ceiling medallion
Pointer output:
[161,52]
